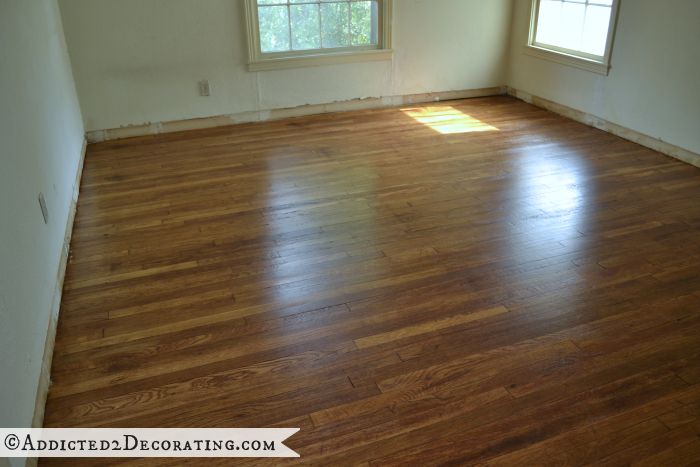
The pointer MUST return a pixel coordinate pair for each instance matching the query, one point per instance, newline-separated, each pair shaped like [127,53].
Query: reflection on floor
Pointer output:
[526,295]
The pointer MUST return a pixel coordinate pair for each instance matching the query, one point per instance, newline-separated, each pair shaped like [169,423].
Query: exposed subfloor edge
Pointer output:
[277,114]
[650,142]
[45,375]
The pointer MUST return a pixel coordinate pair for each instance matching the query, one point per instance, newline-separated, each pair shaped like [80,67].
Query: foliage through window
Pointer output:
[313,25]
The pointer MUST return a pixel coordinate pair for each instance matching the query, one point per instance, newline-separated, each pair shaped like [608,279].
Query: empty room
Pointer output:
[349,232]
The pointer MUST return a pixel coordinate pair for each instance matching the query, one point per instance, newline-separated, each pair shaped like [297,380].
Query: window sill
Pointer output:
[567,59]
[298,61]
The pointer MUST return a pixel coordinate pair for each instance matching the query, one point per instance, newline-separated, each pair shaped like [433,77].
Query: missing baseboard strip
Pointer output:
[650,142]
[277,114]
[45,375]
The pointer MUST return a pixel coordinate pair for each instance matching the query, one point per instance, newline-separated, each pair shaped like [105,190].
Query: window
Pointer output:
[287,33]
[575,32]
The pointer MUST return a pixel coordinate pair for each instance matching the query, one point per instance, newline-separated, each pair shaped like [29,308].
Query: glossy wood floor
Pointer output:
[471,282]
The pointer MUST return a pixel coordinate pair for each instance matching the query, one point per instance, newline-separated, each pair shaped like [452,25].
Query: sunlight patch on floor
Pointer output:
[447,120]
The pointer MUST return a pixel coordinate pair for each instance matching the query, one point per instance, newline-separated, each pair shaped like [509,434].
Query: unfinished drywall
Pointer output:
[652,87]
[139,61]
[42,138]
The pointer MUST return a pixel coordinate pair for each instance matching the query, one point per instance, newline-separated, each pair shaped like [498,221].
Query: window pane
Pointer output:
[287,25]
[548,22]
[570,25]
[335,22]
[595,30]
[574,25]
[274,28]
[361,24]
[305,27]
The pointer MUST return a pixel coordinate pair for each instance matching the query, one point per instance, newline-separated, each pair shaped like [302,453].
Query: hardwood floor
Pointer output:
[469,282]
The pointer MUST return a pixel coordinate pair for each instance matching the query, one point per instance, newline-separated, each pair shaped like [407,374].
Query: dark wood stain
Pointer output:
[407,292]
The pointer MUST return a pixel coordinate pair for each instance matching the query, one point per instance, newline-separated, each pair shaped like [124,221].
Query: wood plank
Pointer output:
[527,295]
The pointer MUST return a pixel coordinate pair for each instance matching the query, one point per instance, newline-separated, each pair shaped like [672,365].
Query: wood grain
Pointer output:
[487,283]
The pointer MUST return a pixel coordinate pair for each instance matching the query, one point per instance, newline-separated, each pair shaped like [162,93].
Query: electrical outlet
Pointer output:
[204,88]
[44,209]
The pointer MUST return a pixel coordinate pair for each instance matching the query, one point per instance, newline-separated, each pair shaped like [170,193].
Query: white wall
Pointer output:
[139,61]
[653,84]
[42,135]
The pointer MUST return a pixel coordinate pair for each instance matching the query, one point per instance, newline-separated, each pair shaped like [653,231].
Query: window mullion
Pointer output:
[349,41]
[320,24]
[289,22]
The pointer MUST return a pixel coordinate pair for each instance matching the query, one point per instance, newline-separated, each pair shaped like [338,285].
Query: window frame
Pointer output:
[575,58]
[260,61]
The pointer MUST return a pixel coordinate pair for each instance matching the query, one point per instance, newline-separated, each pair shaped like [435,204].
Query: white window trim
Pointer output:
[573,58]
[258,61]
